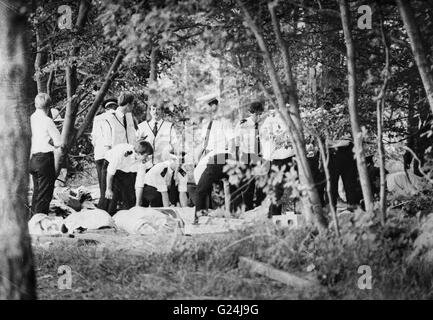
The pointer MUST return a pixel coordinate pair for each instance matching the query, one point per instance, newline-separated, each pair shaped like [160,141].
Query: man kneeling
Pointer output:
[151,188]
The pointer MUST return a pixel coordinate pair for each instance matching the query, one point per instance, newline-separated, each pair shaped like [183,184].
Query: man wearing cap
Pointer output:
[217,148]
[45,139]
[249,153]
[159,132]
[102,142]
[152,187]
[118,128]
[124,161]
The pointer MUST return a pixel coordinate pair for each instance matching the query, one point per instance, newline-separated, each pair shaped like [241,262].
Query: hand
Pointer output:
[109,194]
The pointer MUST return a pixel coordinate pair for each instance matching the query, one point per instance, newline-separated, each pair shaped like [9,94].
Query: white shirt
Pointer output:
[43,130]
[165,139]
[123,158]
[101,134]
[245,134]
[118,133]
[274,128]
[220,135]
[159,177]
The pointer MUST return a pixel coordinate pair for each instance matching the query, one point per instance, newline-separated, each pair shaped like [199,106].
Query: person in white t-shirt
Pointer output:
[152,187]
[45,139]
[124,161]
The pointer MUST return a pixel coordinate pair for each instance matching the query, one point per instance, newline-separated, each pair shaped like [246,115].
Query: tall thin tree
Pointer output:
[17,279]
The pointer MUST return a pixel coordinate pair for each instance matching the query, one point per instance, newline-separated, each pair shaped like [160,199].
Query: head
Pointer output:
[110,104]
[213,104]
[43,102]
[143,149]
[256,109]
[125,101]
[173,161]
[155,112]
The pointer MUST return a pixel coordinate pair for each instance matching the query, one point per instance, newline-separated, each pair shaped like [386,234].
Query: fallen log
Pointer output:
[278,275]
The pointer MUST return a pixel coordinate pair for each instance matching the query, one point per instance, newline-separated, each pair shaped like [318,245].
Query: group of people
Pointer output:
[144,164]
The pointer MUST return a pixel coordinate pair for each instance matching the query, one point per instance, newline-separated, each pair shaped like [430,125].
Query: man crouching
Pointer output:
[151,187]
[124,161]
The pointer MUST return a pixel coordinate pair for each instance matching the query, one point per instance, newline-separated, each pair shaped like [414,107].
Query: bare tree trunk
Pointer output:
[325,159]
[101,94]
[153,64]
[418,48]
[314,208]
[71,88]
[353,109]
[380,106]
[41,59]
[17,278]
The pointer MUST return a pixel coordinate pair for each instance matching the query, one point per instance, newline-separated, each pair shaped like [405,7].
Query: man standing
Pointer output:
[101,140]
[124,161]
[217,148]
[118,128]
[45,139]
[278,150]
[249,152]
[160,133]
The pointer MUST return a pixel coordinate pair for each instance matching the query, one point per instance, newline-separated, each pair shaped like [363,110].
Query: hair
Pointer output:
[147,147]
[125,98]
[42,101]
[256,107]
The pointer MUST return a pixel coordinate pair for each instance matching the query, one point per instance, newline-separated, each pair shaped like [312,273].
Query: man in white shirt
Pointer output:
[101,140]
[121,123]
[278,150]
[249,152]
[45,139]
[159,132]
[218,147]
[152,187]
[124,161]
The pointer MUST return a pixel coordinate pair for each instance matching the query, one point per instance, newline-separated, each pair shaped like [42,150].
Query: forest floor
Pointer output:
[108,264]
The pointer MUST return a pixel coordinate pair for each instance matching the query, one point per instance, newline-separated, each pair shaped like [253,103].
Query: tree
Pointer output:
[17,278]
[418,47]
[353,110]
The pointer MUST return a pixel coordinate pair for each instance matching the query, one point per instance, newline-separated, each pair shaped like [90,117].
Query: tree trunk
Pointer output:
[71,88]
[17,278]
[313,208]
[353,109]
[418,48]
[153,64]
[101,94]
[41,59]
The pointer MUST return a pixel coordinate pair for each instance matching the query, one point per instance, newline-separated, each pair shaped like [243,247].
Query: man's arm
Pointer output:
[109,191]
[165,199]
[138,196]
[54,133]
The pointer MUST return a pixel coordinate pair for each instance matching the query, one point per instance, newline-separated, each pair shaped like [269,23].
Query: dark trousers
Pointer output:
[44,176]
[319,176]
[287,164]
[123,192]
[212,174]
[101,170]
[342,163]
[247,192]
[152,197]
